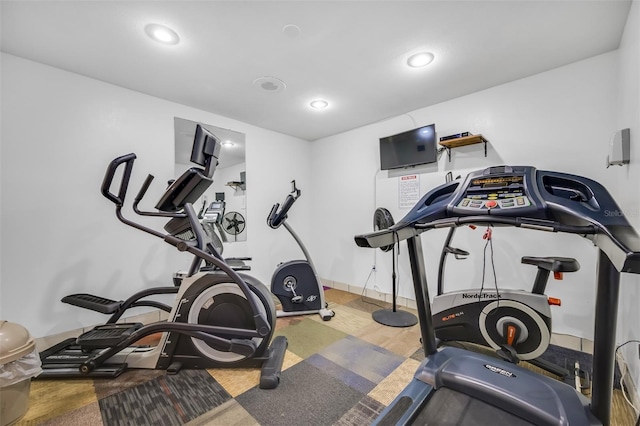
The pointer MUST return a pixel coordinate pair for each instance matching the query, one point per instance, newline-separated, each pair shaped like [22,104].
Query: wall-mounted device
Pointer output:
[619,148]
[410,148]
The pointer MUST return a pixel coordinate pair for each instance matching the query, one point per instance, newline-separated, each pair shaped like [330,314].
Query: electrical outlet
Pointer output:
[379,295]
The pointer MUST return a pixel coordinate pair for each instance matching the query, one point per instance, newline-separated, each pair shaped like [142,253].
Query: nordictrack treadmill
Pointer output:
[454,386]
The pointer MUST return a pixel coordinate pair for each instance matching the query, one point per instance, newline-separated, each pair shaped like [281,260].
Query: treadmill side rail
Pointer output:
[407,405]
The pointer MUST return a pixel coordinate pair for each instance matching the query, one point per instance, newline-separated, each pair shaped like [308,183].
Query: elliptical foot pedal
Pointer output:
[63,360]
[93,303]
[107,335]
[62,371]
[272,368]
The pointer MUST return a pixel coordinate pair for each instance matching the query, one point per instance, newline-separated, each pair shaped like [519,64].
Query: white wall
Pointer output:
[60,236]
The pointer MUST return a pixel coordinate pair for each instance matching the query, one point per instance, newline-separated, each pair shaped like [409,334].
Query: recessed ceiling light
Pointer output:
[291,30]
[420,60]
[162,34]
[270,84]
[319,104]
[228,144]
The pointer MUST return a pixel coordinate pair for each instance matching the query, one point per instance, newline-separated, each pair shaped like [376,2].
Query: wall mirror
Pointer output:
[224,204]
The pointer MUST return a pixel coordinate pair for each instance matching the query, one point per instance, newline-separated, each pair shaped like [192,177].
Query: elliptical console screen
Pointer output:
[494,193]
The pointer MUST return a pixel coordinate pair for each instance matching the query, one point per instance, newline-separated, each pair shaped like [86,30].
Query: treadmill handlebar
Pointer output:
[403,231]
[518,222]
[387,237]
[616,243]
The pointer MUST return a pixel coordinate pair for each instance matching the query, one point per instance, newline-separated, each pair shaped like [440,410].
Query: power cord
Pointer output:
[395,278]
[488,236]
[364,289]
[624,375]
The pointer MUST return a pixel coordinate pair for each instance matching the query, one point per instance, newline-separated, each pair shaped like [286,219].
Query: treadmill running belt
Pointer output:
[449,407]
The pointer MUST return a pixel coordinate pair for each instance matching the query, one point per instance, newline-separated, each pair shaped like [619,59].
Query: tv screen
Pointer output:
[411,148]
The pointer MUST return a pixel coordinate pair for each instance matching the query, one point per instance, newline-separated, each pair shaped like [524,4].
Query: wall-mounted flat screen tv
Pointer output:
[411,148]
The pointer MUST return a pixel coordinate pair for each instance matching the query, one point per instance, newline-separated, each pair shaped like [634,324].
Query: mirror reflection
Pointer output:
[223,207]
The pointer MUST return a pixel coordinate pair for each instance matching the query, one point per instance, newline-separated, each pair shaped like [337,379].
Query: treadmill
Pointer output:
[456,386]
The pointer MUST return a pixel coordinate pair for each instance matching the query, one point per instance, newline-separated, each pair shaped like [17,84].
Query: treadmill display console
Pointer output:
[495,192]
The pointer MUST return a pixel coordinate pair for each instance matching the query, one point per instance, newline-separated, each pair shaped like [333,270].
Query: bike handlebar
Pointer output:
[276,218]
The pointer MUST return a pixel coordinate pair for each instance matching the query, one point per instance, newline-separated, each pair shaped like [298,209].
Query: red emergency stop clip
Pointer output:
[487,234]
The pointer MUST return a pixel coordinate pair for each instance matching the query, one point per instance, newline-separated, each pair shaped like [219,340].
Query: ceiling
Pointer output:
[352,53]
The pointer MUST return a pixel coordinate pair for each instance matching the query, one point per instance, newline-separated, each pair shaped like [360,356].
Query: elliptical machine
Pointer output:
[295,282]
[515,323]
[218,319]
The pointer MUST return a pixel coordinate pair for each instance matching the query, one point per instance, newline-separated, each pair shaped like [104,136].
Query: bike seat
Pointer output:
[554,264]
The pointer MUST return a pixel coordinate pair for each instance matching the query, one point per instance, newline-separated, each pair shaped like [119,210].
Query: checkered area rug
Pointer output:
[344,371]
[339,372]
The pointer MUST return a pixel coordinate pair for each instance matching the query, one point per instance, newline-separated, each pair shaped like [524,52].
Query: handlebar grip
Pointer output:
[281,216]
[144,188]
[110,173]
[272,215]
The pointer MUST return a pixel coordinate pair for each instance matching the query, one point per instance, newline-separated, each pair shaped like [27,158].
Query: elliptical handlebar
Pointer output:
[197,248]
[141,193]
[128,160]
[143,189]
[277,218]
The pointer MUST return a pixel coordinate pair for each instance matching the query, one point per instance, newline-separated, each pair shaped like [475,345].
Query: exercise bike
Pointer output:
[295,282]
[515,323]
[218,319]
